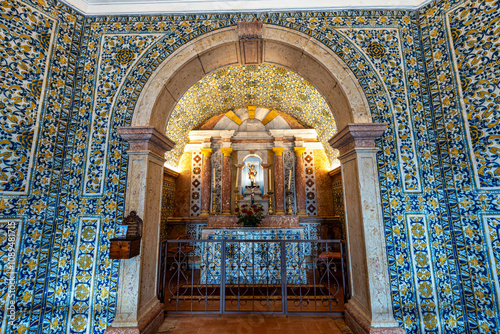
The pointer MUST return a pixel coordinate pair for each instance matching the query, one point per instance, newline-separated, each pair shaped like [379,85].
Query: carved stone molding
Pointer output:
[357,135]
[146,138]
[250,39]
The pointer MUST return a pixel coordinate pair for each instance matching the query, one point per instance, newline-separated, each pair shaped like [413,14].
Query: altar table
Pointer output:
[253,262]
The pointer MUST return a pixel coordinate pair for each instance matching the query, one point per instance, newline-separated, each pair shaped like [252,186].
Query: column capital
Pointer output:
[146,138]
[299,150]
[226,151]
[278,151]
[206,151]
[357,135]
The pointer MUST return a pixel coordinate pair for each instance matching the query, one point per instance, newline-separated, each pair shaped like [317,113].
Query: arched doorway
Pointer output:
[370,308]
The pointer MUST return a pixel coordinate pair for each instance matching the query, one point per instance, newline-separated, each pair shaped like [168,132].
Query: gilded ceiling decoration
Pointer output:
[236,87]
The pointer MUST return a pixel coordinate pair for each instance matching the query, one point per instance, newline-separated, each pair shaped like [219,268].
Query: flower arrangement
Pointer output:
[250,215]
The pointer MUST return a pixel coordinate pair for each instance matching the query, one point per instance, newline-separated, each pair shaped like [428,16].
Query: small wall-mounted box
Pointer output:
[124,248]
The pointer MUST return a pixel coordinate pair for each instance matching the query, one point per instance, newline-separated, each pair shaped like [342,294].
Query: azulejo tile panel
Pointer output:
[383,48]
[27,42]
[216,182]
[257,263]
[237,87]
[478,84]
[80,318]
[195,200]
[310,179]
[167,205]
[10,236]
[465,197]
[452,203]
[117,54]
[492,235]
[424,275]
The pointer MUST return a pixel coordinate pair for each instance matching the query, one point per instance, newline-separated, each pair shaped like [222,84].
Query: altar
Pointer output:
[253,262]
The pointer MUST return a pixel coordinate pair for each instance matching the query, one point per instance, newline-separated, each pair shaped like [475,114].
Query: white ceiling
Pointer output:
[109,7]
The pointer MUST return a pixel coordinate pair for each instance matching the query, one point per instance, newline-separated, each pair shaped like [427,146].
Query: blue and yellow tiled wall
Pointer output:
[68,81]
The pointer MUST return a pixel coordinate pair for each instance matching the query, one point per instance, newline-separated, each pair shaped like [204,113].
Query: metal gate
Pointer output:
[250,276]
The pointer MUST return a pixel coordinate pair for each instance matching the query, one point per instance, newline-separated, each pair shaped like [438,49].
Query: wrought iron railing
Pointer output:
[245,276]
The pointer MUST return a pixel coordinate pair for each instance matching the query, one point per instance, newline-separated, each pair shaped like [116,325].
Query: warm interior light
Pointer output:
[335,164]
[174,168]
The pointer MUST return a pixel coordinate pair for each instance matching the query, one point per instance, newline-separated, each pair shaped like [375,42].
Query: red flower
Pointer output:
[237,210]
[244,211]
[250,213]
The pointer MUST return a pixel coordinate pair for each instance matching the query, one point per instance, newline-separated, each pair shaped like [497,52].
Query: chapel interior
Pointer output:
[253,151]
[172,166]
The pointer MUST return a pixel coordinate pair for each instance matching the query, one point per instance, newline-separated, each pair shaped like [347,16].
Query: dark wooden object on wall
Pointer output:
[127,248]
[124,248]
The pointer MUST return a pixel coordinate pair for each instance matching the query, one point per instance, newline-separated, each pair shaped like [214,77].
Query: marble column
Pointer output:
[226,181]
[370,308]
[300,182]
[138,310]
[279,190]
[206,181]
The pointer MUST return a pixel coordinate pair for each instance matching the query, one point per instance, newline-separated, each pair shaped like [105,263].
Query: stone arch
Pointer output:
[370,307]
[281,46]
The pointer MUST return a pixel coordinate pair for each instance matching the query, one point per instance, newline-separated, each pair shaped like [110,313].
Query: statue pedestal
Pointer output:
[291,221]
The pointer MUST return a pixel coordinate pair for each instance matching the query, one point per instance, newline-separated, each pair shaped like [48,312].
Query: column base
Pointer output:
[302,213]
[226,213]
[280,213]
[360,325]
[148,325]
[204,214]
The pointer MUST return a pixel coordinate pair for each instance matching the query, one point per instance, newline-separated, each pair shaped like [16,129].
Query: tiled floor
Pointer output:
[253,324]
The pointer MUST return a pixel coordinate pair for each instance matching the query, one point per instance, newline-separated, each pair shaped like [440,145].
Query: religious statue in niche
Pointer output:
[252,173]
[255,180]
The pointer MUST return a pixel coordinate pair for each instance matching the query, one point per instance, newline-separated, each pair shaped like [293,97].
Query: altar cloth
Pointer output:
[253,262]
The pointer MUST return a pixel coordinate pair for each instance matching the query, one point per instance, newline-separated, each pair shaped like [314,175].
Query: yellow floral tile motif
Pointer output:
[236,87]
[23,72]
[479,89]
[384,47]
[80,314]
[422,266]
[116,55]
[463,253]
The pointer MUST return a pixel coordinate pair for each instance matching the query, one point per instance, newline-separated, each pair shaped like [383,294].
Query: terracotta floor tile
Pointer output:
[289,331]
[186,331]
[291,325]
[256,324]
[309,325]
[328,327]
[261,330]
[271,323]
